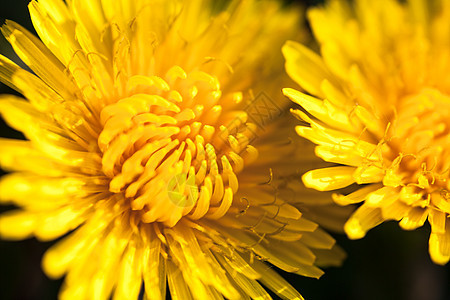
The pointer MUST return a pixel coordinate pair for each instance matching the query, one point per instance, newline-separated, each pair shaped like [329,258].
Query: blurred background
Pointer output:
[388,263]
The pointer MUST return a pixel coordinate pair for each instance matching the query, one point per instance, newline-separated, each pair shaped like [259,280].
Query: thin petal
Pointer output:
[333,257]
[328,179]
[17,155]
[129,280]
[55,27]
[357,196]
[154,268]
[414,219]
[178,287]
[17,225]
[437,221]
[362,220]
[276,283]
[299,58]
[31,50]
[439,246]
[46,225]
[38,192]
[250,286]
[318,239]
[322,110]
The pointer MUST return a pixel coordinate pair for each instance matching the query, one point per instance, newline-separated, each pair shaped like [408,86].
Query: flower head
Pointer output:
[154,134]
[385,111]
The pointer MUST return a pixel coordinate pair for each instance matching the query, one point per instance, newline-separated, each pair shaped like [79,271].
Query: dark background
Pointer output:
[388,263]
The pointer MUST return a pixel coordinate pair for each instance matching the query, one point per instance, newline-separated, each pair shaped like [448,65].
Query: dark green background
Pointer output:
[388,264]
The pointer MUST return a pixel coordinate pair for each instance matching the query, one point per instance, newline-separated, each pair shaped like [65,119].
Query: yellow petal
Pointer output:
[204,270]
[327,179]
[37,92]
[362,220]
[250,286]
[22,116]
[56,223]
[31,50]
[241,265]
[437,221]
[357,196]
[333,257]
[46,135]
[154,269]
[39,193]
[322,110]
[53,23]
[305,67]
[129,280]
[63,255]
[339,155]
[178,287]
[309,271]
[275,282]
[414,219]
[17,224]
[380,196]
[369,174]
[17,155]
[370,121]
[318,239]
[396,210]
[336,59]
[7,70]
[439,246]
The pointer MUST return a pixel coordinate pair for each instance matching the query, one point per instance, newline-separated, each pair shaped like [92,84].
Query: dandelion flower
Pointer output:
[146,149]
[380,108]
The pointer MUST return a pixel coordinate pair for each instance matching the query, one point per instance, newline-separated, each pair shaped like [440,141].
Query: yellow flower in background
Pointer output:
[380,108]
[155,140]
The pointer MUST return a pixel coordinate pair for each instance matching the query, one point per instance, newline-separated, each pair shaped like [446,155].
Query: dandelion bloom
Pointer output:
[144,149]
[380,108]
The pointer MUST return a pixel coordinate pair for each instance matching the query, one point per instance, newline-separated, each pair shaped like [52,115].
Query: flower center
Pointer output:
[171,150]
[422,142]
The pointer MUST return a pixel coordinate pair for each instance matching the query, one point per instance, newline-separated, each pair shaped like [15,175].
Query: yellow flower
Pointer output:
[155,143]
[385,113]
